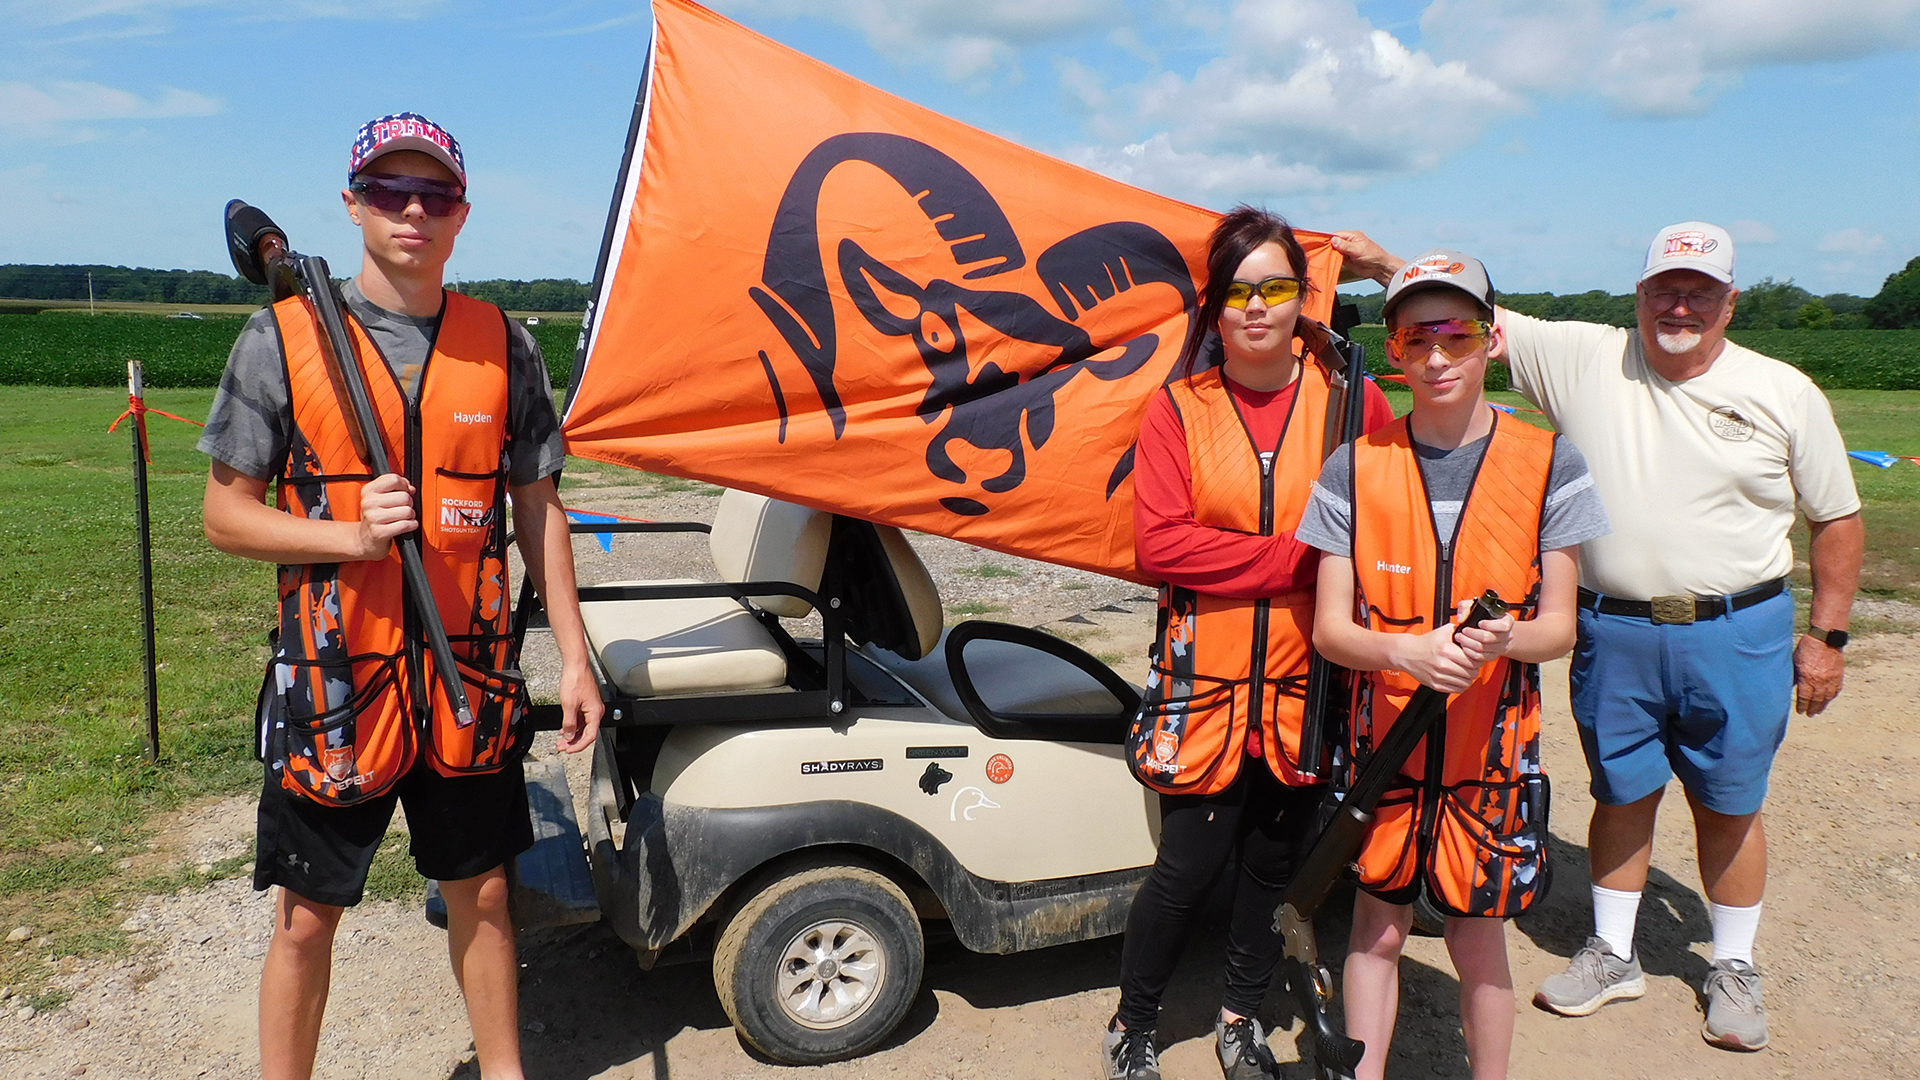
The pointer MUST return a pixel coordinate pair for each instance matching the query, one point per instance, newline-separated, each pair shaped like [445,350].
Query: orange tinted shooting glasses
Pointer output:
[1455,337]
[1274,290]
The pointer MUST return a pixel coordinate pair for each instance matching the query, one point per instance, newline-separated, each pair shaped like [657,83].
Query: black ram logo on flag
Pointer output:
[988,408]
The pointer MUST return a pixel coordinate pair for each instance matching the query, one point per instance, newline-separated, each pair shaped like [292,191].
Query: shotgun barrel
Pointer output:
[1326,699]
[260,253]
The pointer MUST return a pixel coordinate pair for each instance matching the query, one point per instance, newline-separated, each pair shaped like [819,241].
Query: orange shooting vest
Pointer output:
[1469,810]
[1202,693]
[351,697]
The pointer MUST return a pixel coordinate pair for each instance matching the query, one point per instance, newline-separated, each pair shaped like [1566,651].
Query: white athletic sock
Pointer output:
[1733,931]
[1614,913]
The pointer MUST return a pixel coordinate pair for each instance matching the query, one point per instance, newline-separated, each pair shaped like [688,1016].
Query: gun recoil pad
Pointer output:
[246,226]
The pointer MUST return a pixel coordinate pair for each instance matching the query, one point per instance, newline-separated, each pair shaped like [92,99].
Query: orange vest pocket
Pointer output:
[1388,860]
[497,693]
[1169,751]
[335,730]
[1490,848]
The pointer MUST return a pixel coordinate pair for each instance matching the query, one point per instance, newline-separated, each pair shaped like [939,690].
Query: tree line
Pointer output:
[122,284]
[1764,305]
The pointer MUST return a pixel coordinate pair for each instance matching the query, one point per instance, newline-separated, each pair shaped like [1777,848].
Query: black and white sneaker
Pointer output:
[1130,1055]
[1244,1054]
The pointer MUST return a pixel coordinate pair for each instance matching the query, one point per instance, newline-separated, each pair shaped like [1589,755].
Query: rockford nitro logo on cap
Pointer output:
[1432,266]
[1683,244]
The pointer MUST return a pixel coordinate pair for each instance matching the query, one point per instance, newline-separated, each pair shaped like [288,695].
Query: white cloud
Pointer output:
[1157,165]
[964,40]
[1305,96]
[60,110]
[1309,93]
[1749,231]
[1855,242]
[1082,87]
[1648,58]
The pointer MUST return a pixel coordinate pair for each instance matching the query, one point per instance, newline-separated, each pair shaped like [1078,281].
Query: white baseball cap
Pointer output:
[1440,268]
[1691,245]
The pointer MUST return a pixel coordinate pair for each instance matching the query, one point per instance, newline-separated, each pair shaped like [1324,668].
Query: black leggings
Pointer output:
[1268,823]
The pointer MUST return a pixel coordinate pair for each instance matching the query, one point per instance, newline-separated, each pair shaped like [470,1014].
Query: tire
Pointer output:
[767,964]
[1428,921]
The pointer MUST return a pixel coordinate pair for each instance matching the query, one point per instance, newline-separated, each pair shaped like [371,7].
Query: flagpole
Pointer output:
[136,398]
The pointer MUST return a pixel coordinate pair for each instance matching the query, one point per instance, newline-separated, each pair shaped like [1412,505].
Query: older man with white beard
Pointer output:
[1686,658]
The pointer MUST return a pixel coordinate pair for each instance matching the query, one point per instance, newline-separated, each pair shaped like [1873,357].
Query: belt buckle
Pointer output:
[1672,610]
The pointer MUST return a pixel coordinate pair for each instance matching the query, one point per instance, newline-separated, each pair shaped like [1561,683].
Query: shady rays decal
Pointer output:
[994,387]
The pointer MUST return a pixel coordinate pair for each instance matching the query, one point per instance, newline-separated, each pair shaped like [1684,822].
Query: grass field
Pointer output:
[1835,359]
[72,775]
[75,792]
[1886,420]
[68,347]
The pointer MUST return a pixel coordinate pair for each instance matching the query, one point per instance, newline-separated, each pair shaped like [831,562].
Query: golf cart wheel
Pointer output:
[820,965]
[1428,921]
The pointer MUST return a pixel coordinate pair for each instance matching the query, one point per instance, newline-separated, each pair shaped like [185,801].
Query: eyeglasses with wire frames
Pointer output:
[1704,301]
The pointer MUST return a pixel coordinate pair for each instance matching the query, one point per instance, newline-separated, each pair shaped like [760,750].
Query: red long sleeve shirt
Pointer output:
[1177,549]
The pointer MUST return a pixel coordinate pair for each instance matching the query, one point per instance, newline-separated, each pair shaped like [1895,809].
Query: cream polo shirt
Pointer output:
[1700,478]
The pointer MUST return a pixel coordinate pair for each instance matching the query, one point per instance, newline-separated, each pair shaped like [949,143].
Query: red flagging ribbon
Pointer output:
[138,409]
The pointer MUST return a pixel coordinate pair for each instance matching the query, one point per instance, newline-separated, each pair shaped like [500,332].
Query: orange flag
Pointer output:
[817,291]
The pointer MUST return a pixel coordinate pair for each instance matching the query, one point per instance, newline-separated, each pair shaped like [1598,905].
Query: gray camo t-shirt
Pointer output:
[1573,513]
[251,422]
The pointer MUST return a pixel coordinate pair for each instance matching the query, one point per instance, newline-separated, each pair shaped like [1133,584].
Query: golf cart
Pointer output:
[810,810]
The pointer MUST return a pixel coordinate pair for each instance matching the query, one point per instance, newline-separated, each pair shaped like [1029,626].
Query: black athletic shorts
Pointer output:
[461,827]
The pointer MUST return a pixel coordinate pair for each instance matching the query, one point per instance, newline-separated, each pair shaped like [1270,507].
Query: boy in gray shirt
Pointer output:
[349,723]
[1413,521]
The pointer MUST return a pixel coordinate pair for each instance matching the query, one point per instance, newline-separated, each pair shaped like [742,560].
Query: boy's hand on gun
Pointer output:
[1489,641]
[1437,660]
[386,511]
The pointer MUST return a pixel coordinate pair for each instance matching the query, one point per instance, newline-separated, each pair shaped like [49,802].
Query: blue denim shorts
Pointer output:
[1706,701]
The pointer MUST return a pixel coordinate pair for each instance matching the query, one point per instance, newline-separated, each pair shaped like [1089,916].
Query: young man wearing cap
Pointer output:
[1416,520]
[1687,660]
[351,719]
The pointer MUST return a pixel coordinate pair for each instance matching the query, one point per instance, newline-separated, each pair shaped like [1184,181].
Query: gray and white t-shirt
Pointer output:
[1573,513]
[251,422]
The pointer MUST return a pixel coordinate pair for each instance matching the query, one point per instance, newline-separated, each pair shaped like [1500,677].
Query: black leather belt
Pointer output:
[1682,609]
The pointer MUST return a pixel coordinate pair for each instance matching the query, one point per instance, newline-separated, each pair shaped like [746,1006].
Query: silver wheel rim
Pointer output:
[829,974]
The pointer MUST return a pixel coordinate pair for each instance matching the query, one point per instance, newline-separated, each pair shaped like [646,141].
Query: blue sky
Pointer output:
[1549,137]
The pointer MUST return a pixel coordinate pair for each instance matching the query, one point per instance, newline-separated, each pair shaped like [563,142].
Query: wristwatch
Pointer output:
[1834,639]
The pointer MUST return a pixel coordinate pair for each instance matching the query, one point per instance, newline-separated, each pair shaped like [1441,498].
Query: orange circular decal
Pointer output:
[999,768]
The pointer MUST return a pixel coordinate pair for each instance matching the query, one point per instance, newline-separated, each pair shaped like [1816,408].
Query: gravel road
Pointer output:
[1837,943]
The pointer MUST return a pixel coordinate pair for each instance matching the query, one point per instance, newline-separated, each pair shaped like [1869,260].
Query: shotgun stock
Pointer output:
[1308,979]
[1326,704]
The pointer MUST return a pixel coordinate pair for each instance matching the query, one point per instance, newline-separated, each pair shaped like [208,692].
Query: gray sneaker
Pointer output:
[1243,1050]
[1130,1055]
[1735,1018]
[1593,978]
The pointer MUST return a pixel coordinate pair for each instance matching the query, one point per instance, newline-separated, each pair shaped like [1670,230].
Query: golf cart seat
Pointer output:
[1025,680]
[715,644]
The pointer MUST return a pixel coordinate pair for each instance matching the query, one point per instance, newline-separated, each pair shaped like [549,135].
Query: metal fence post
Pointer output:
[136,400]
